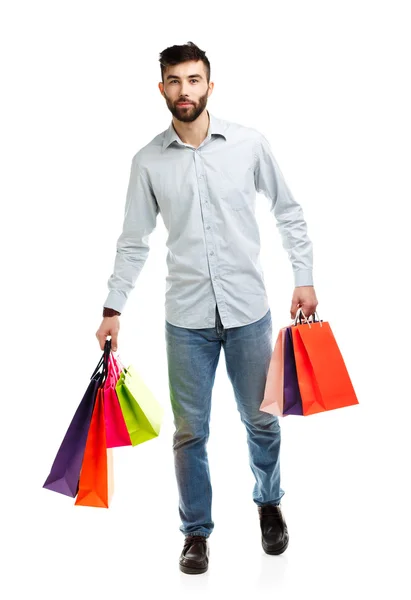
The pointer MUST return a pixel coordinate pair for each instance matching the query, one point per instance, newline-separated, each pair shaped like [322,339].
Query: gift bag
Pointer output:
[323,379]
[116,429]
[291,391]
[96,477]
[65,470]
[273,394]
[142,412]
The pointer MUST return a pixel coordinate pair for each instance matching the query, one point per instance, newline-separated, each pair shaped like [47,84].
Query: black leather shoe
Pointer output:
[194,556]
[274,531]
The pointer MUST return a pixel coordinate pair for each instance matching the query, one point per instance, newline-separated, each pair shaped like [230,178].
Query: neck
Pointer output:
[193,133]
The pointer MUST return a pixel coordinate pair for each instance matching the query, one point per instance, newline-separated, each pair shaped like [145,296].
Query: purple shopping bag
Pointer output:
[292,397]
[65,471]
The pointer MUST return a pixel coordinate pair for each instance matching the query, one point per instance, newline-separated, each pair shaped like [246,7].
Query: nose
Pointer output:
[183,89]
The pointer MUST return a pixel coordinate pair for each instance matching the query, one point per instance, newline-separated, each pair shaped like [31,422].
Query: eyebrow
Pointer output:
[188,77]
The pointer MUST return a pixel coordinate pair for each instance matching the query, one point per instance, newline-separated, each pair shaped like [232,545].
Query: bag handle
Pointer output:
[100,362]
[113,362]
[114,365]
[114,373]
[301,312]
[103,361]
[106,356]
[119,363]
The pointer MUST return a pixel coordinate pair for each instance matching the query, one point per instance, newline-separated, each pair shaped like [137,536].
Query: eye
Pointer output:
[173,80]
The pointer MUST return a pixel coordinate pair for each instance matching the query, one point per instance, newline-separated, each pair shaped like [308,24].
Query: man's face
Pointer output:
[186,82]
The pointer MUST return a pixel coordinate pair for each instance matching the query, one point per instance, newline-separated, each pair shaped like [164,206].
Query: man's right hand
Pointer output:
[109,326]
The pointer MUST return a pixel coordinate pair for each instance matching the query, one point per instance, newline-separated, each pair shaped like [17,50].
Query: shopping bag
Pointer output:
[96,477]
[273,394]
[323,379]
[292,396]
[142,412]
[65,470]
[116,429]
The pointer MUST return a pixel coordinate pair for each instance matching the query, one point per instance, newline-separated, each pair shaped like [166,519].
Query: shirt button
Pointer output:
[208,227]
[211,253]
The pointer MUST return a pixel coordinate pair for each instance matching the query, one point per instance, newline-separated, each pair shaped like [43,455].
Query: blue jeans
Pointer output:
[192,356]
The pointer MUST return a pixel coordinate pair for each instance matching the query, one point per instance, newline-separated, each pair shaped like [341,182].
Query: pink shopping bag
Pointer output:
[116,429]
[273,394]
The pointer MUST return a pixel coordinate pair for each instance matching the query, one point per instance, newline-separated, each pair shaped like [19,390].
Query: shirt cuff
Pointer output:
[110,312]
[116,300]
[303,277]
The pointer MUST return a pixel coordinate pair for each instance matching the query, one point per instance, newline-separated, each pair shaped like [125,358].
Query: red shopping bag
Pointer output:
[323,378]
[96,476]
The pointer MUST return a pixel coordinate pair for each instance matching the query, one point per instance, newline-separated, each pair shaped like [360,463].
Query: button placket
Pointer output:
[209,241]
[203,195]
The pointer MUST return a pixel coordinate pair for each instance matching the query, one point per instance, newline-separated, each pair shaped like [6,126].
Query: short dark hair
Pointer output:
[175,55]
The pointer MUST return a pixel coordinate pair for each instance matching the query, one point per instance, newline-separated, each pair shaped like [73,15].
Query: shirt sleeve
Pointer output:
[140,217]
[289,215]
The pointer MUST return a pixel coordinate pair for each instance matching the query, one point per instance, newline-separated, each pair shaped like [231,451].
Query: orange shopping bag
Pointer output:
[273,401]
[322,376]
[96,476]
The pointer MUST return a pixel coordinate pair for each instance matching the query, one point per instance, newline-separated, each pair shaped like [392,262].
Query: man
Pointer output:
[202,174]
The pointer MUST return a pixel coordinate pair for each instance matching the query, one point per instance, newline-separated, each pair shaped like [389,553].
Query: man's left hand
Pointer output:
[304,297]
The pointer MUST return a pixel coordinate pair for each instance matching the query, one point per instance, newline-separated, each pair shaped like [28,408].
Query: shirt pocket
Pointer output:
[234,186]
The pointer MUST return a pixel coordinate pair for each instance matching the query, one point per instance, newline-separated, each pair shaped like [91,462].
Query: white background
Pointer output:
[328,85]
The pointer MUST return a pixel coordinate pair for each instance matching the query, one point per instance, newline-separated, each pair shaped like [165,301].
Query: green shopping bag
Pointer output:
[142,413]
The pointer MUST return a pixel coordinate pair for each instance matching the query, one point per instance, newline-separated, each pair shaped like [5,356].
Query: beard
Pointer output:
[187,114]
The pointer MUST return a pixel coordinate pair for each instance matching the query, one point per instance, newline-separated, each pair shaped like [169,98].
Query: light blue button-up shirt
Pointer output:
[206,197]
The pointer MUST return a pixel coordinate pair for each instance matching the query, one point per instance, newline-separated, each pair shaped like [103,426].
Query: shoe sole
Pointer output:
[193,570]
[278,551]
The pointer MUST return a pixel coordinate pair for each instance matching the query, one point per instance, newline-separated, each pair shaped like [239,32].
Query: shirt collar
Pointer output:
[216,127]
